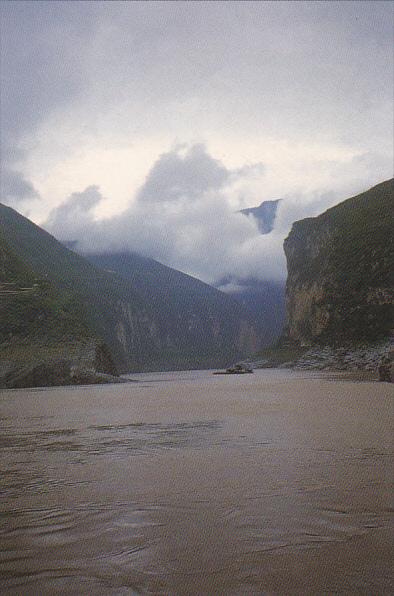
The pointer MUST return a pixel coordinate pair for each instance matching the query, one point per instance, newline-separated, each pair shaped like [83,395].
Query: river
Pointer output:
[190,483]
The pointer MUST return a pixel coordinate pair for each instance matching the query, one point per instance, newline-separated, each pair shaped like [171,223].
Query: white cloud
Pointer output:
[183,216]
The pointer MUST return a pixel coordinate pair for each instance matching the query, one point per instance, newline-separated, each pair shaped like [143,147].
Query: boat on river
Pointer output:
[237,369]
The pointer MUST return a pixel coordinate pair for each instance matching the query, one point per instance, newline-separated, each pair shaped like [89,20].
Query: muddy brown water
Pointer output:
[189,483]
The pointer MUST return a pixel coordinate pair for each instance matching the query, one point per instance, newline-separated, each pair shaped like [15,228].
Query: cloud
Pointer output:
[74,219]
[183,173]
[41,67]
[288,100]
[252,80]
[233,288]
[14,188]
[183,216]
[250,170]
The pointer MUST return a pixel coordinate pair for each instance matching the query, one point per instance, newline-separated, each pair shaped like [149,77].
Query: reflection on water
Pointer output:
[192,484]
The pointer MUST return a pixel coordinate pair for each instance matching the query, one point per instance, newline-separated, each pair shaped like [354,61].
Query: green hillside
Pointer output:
[340,270]
[31,308]
[73,284]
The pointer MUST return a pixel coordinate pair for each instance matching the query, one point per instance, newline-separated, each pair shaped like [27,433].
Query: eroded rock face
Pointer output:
[386,368]
[340,280]
[86,363]
[180,323]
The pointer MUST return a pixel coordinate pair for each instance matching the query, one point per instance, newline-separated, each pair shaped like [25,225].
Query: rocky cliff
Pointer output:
[38,364]
[340,286]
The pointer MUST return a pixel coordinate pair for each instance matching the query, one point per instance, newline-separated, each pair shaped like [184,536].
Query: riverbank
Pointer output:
[363,359]
[50,364]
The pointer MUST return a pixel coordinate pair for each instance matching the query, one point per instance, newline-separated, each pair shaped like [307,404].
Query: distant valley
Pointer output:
[172,292]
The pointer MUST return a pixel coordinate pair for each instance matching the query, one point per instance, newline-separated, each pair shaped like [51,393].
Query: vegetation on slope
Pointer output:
[348,252]
[31,308]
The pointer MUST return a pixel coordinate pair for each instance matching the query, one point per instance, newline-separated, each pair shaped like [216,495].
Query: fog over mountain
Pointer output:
[183,216]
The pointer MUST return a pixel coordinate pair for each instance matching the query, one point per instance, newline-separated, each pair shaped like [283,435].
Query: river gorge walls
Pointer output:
[340,287]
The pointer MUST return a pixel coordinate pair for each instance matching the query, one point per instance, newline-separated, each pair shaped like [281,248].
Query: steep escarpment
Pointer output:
[340,272]
[173,321]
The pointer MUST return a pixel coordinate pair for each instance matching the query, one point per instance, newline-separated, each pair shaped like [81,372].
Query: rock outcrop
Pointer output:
[366,358]
[29,364]
[340,286]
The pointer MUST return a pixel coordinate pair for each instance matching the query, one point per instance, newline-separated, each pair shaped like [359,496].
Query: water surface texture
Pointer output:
[189,483]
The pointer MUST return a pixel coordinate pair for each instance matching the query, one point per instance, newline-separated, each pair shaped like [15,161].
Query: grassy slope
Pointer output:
[33,312]
[74,284]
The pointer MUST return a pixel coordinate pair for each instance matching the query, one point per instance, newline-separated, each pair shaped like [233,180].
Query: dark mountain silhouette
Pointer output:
[264,214]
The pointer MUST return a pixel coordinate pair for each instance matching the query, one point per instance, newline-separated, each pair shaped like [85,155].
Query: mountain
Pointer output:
[192,317]
[170,292]
[264,300]
[169,321]
[340,285]
[31,306]
[264,214]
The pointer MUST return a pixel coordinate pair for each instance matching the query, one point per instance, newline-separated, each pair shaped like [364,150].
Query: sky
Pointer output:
[146,126]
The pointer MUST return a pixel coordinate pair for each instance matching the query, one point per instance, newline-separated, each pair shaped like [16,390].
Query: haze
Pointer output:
[146,126]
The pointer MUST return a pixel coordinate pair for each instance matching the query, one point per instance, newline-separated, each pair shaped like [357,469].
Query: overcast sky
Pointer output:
[147,125]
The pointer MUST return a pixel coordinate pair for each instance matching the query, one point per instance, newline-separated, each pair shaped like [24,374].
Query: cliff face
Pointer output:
[38,364]
[340,272]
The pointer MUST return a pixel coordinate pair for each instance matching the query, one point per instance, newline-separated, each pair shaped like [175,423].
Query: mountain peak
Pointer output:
[264,214]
